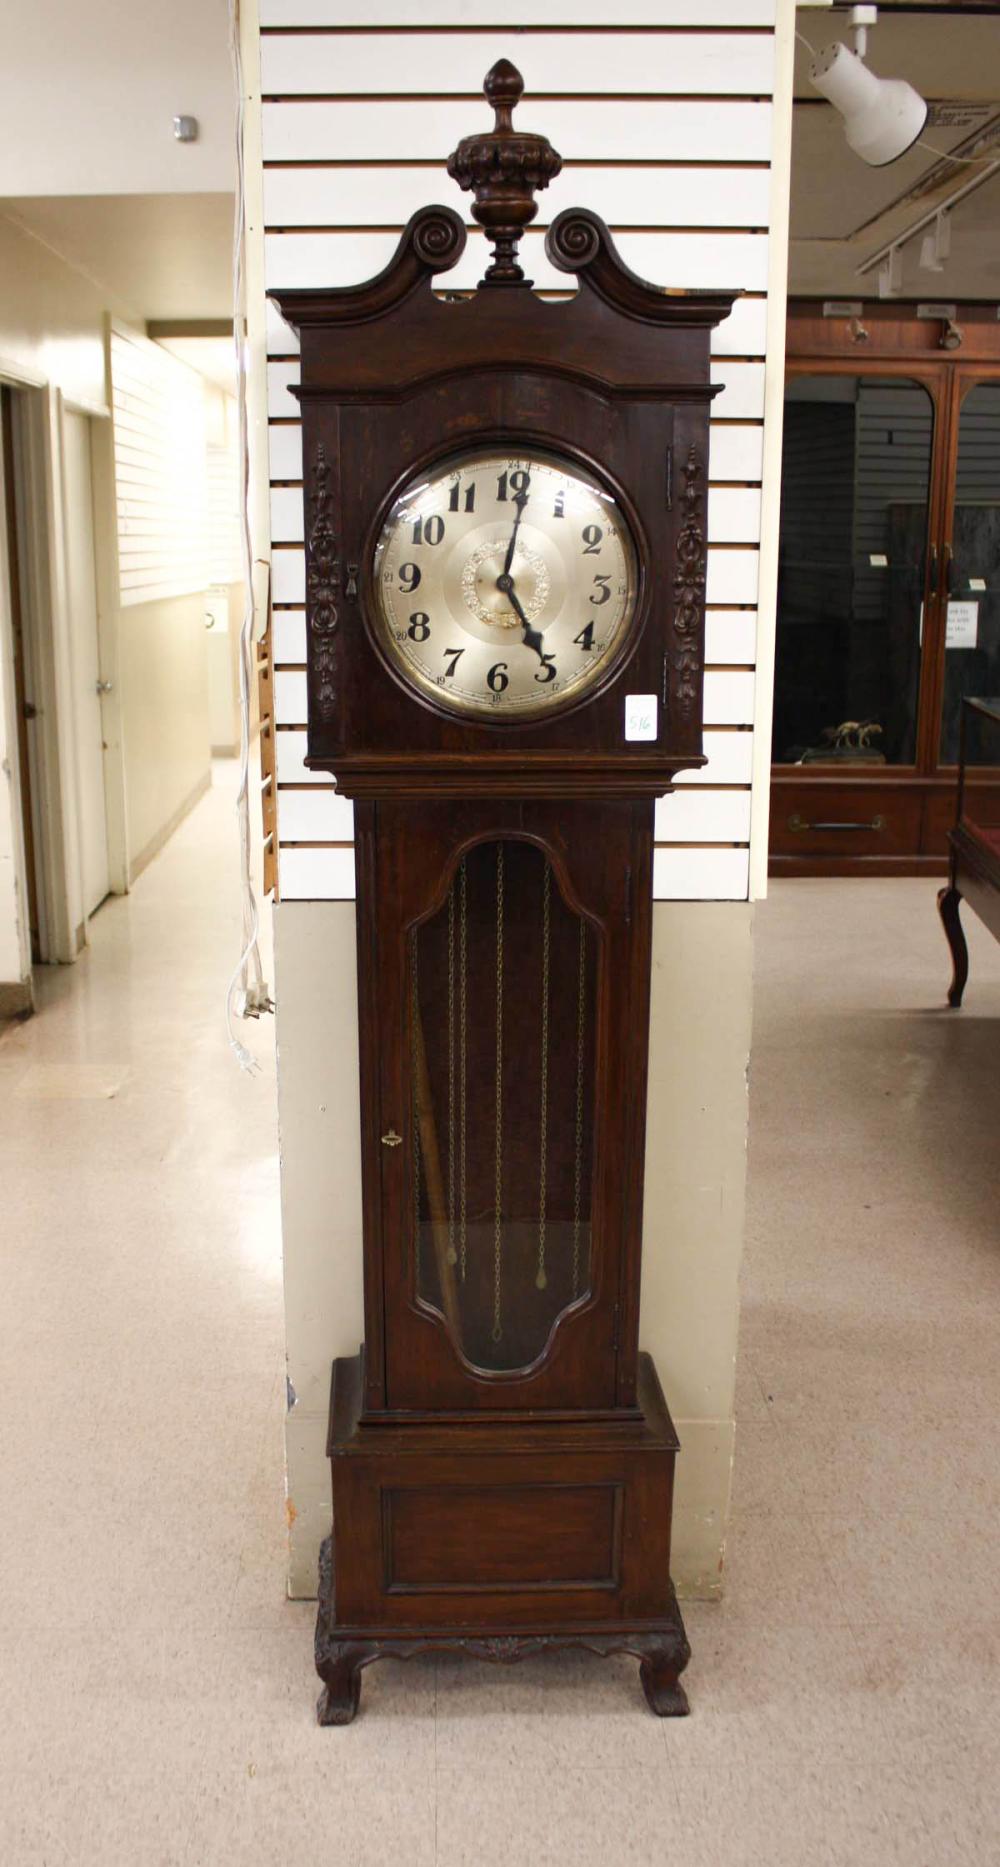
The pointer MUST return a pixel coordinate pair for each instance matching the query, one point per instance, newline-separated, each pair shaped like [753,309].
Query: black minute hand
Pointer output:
[520,501]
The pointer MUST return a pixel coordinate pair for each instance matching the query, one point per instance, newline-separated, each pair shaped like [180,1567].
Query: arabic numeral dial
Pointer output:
[506,581]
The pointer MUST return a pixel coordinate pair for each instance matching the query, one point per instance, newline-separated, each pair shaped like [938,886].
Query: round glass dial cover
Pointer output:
[505,583]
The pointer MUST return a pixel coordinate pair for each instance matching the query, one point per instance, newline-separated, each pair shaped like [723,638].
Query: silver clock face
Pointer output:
[505,582]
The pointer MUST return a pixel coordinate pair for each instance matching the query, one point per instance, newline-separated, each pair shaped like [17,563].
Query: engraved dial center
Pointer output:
[486,587]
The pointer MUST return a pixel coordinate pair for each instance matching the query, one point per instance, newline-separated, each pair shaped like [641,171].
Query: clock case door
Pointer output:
[394,378]
[504,1224]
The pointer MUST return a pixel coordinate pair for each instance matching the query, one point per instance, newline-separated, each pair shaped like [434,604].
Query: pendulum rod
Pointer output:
[579,1123]
[543,1117]
[498,1127]
[414,1106]
[431,1155]
[452,1253]
[463,938]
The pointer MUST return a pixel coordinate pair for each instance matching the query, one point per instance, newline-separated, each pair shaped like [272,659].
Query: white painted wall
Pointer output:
[160,424]
[690,169]
[90,93]
[51,319]
[53,334]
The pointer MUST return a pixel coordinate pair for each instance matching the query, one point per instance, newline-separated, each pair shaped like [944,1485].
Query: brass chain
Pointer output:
[452,1254]
[463,930]
[543,1117]
[581,1024]
[414,1107]
[498,1131]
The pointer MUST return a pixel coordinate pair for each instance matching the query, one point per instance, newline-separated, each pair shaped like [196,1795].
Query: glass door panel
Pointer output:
[854,498]
[972,630]
[502,1005]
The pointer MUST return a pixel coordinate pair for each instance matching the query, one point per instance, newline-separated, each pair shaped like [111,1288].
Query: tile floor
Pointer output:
[156,1691]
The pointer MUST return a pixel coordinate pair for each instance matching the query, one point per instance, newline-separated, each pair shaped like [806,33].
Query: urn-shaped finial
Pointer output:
[503,168]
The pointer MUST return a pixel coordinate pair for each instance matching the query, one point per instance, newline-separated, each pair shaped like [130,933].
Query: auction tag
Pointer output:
[640,716]
[962,625]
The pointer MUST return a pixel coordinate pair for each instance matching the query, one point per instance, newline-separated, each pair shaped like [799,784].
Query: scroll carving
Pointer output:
[322,583]
[437,237]
[689,590]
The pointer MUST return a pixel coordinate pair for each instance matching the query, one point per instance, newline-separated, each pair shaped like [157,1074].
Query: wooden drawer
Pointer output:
[826,817]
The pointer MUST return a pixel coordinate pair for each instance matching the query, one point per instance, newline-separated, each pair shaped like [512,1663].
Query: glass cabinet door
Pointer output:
[856,473]
[972,628]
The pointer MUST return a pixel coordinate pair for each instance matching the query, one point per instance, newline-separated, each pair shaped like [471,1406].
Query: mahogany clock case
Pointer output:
[502,1457]
[396,379]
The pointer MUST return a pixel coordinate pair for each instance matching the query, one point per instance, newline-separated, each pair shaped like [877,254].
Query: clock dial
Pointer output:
[505,582]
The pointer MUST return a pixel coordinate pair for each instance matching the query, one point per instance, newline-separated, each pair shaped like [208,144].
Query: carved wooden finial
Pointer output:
[503,168]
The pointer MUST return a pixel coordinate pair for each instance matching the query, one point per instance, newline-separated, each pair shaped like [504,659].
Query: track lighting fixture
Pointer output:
[882,116]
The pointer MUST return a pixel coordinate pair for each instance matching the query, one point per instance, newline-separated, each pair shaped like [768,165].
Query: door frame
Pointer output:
[38,442]
[103,517]
[966,375]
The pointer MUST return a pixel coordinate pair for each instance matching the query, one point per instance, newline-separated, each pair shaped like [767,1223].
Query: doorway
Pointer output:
[47,513]
[88,688]
[24,708]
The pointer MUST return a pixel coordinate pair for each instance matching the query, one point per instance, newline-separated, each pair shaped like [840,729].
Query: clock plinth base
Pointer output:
[497,1539]
[341,1656]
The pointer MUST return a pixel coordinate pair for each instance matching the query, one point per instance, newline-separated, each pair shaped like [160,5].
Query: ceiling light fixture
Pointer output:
[890,274]
[936,245]
[882,116]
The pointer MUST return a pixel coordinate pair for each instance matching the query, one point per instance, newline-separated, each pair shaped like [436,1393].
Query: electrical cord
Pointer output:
[247,994]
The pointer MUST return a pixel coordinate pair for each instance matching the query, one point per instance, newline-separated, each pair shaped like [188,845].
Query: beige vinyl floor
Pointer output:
[156,1691]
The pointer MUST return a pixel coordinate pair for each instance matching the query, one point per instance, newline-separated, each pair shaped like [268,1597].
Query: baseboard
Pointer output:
[16,998]
[166,830]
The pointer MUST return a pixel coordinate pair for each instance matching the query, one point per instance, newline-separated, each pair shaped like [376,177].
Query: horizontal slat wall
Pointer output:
[664,123]
[332,64]
[161,488]
[404,14]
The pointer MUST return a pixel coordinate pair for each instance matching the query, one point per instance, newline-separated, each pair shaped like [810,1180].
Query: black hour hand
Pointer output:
[532,638]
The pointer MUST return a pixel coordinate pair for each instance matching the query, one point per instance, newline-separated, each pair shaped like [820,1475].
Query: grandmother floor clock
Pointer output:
[505,593]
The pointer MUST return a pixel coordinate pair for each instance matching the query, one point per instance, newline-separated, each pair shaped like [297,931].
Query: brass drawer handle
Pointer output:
[799,824]
[392,1139]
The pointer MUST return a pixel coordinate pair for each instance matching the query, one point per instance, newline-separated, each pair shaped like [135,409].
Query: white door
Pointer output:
[81,584]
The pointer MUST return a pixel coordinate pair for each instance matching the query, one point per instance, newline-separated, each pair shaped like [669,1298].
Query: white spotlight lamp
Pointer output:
[882,116]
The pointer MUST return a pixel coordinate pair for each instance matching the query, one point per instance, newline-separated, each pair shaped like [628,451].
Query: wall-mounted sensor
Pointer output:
[186,129]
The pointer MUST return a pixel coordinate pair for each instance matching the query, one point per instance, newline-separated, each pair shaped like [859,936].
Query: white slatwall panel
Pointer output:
[674,64]
[588,130]
[358,197]
[743,333]
[666,133]
[679,13]
[690,259]
[161,489]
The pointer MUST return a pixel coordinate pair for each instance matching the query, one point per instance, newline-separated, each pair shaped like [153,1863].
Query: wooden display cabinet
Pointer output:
[889,582]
